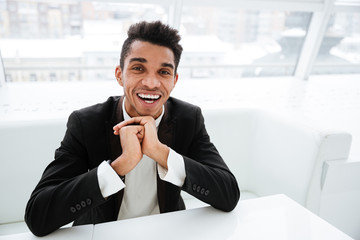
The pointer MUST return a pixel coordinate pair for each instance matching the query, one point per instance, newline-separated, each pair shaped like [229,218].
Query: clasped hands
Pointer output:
[138,136]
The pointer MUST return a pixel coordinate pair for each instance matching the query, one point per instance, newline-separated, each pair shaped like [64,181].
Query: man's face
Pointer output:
[148,78]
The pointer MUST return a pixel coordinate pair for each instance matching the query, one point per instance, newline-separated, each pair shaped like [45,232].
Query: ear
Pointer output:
[118,75]
[176,79]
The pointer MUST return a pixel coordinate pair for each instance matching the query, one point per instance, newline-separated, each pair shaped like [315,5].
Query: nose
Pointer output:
[151,81]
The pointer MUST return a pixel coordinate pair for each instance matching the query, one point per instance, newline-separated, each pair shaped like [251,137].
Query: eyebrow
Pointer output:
[143,60]
[168,65]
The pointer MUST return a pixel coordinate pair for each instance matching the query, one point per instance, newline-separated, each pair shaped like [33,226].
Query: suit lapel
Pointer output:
[165,135]
[114,149]
[166,127]
[114,146]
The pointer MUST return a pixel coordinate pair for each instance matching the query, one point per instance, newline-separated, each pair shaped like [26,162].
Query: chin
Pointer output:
[146,113]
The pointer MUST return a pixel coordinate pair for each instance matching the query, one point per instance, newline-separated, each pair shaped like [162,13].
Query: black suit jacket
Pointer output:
[69,191]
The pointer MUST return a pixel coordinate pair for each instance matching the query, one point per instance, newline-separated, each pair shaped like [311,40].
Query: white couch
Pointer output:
[268,153]
[272,153]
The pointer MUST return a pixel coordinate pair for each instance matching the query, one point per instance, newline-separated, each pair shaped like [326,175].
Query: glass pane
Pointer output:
[67,40]
[228,42]
[340,48]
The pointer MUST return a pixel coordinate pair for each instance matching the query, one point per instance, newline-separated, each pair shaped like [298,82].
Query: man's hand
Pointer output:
[150,146]
[130,138]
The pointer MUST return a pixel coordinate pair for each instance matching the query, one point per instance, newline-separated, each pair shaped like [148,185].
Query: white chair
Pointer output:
[270,153]
[26,148]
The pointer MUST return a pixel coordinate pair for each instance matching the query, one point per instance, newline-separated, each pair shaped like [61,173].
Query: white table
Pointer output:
[72,233]
[274,217]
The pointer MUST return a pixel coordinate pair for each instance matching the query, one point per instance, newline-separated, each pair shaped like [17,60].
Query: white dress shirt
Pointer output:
[140,193]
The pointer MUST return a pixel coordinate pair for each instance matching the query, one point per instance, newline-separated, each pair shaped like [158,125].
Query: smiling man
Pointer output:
[132,155]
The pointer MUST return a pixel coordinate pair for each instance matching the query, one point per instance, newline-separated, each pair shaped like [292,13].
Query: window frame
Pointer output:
[321,11]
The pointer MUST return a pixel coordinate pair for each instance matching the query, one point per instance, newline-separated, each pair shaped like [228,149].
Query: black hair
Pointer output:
[156,33]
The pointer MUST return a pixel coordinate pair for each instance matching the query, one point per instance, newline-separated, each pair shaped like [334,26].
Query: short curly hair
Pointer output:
[156,33]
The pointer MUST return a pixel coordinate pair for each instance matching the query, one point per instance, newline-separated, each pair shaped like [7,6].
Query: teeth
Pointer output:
[149,96]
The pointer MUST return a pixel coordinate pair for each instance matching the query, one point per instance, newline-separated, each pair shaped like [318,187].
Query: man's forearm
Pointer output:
[57,202]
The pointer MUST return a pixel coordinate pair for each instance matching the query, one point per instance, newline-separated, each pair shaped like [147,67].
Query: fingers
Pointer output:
[140,133]
[132,121]
[147,142]
[130,138]
[132,130]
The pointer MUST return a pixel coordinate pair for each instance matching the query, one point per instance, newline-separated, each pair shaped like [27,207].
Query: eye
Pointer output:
[137,68]
[164,72]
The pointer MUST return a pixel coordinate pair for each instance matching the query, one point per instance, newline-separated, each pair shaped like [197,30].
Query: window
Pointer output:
[80,40]
[67,40]
[233,42]
[33,77]
[340,48]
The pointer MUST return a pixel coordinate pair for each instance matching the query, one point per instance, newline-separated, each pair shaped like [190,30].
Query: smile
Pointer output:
[149,98]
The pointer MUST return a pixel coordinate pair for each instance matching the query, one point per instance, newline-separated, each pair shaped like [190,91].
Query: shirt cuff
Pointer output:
[175,173]
[109,181]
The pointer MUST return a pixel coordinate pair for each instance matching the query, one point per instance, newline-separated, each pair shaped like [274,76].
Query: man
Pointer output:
[155,145]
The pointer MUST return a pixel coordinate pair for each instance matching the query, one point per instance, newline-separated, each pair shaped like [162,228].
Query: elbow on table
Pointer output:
[230,202]
[234,202]
[36,223]
[37,229]
[234,196]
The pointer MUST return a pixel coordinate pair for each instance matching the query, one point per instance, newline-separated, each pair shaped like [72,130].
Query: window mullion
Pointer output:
[313,40]
[175,11]
[2,72]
